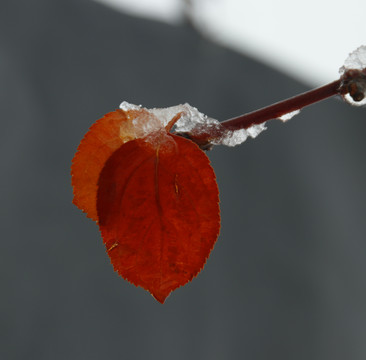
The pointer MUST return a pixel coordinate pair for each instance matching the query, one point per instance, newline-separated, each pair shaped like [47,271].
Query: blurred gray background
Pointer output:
[286,279]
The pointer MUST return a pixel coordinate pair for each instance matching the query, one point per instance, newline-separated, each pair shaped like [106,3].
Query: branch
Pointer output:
[351,86]
[279,109]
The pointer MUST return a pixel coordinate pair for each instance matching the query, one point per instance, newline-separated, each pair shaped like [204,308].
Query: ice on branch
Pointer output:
[355,60]
[237,137]
[194,121]
[353,75]
[191,121]
[289,115]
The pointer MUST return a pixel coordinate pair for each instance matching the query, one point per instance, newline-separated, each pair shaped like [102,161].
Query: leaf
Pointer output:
[153,194]
[103,138]
[158,210]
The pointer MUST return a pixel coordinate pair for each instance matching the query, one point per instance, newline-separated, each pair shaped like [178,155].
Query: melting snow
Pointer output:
[156,119]
[356,60]
[126,106]
[289,115]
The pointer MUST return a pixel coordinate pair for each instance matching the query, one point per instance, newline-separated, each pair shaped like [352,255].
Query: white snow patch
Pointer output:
[355,60]
[237,137]
[126,106]
[348,98]
[289,115]
[193,119]
[156,119]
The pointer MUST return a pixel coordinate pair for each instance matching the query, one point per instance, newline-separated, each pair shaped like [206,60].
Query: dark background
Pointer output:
[286,279]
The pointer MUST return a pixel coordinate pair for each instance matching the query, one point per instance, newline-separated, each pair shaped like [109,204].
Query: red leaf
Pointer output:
[158,211]
[103,138]
[154,195]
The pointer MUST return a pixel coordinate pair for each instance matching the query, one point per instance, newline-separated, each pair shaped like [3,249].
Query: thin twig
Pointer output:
[281,108]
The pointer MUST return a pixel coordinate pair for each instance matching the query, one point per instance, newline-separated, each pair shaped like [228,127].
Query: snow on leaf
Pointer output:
[104,137]
[153,194]
[158,212]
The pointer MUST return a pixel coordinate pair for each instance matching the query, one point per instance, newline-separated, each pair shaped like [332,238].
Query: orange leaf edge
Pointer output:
[160,295]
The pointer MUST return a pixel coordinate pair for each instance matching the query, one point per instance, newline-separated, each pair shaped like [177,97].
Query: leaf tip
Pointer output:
[160,297]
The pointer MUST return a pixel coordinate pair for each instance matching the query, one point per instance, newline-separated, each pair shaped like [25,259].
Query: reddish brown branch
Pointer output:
[352,82]
[283,107]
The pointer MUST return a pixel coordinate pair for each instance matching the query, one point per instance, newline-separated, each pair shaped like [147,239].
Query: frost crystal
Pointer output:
[289,115]
[355,60]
